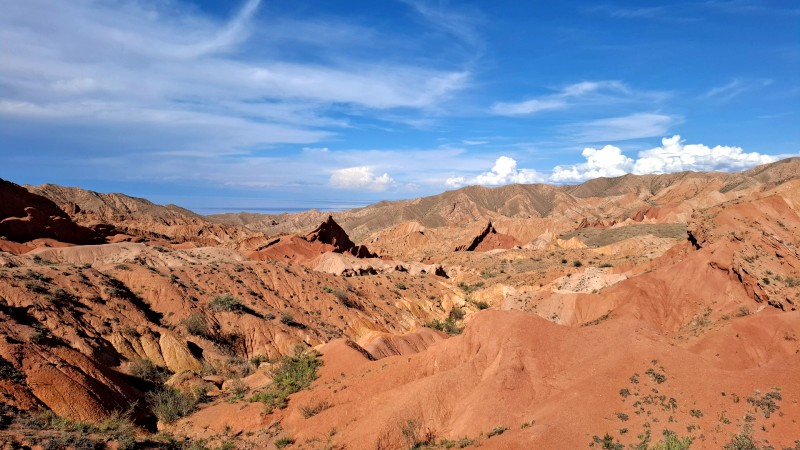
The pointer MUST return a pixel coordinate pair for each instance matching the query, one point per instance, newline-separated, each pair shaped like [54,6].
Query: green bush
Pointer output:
[671,441]
[196,325]
[742,441]
[284,442]
[292,374]
[9,372]
[145,369]
[226,302]
[170,404]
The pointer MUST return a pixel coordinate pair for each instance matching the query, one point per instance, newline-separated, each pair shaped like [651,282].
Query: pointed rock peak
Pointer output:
[488,239]
[478,239]
[331,233]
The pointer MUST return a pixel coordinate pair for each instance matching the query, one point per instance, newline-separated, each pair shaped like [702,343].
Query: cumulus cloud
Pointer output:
[504,171]
[674,156]
[360,178]
[671,156]
[610,161]
[606,162]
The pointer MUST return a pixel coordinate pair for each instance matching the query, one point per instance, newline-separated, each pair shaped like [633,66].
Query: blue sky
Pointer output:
[290,105]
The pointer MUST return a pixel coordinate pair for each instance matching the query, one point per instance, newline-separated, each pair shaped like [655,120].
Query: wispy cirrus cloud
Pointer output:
[622,128]
[167,74]
[734,88]
[585,94]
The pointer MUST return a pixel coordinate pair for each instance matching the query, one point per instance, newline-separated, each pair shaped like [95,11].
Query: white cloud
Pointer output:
[504,171]
[360,178]
[83,63]
[606,162]
[733,89]
[674,156]
[610,161]
[633,126]
[584,94]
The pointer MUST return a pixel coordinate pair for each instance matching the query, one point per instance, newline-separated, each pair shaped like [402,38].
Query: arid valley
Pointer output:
[639,311]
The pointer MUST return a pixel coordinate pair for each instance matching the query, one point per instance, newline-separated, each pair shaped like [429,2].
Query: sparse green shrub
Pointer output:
[742,441]
[606,442]
[577,263]
[314,408]
[449,325]
[284,442]
[145,369]
[482,305]
[288,320]
[226,302]
[196,325]
[671,441]
[170,404]
[10,373]
[768,402]
[292,374]
[658,377]
[497,431]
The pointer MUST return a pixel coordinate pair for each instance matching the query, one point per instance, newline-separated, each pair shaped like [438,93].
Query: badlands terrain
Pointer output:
[646,312]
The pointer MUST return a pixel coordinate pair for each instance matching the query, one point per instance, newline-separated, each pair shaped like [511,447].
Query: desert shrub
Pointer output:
[742,441]
[468,289]
[768,402]
[256,360]
[196,325]
[314,408]
[497,432]
[9,372]
[482,305]
[671,441]
[226,302]
[577,263]
[292,374]
[606,442]
[457,314]
[145,369]
[288,320]
[449,325]
[656,376]
[170,404]
[284,442]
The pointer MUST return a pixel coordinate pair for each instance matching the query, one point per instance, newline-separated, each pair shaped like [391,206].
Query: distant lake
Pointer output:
[281,209]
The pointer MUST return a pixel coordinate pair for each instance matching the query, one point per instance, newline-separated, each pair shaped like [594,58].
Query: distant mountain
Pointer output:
[611,199]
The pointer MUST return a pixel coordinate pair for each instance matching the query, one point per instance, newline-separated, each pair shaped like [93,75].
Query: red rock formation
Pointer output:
[489,239]
[329,232]
[25,216]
